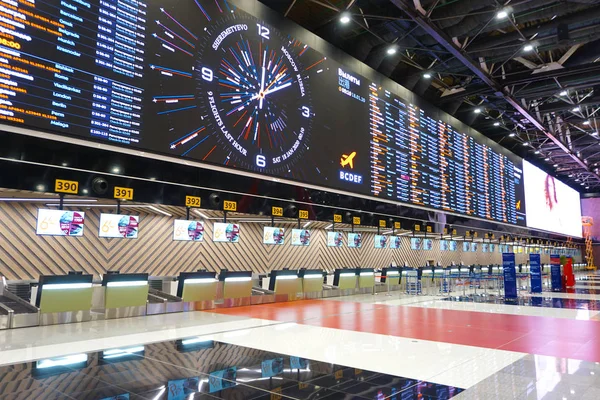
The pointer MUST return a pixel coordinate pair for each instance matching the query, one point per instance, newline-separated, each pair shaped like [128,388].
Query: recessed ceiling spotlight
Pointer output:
[537,152]
[570,175]
[577,180]
[586,122]
[116,170]
[555,165]
[576,109]
[477,110]
[587,187]
[547,159]
[427,75]
[391,50]
[525,143]
[564,93]
[40,188]
[512,134]
[501,14]
[344,18]
[496,123]
[528,47]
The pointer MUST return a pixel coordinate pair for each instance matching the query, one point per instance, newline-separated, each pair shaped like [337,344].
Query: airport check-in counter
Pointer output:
[64,298]
[390,276]
[345,279]
[125,295]
[198,290]
[14,311]
[286,284]
[234,288]
[312,283]
[366,279]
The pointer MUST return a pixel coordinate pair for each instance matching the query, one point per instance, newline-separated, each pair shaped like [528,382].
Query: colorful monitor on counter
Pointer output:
[395,242]
[273,235]
[188,231]
[118,226]
[225,232]
[60,223]
[300,237]
[381,241]
[354,240]
[335,239]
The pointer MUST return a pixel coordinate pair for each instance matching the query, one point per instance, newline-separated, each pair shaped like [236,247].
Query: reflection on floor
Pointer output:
[533,301]
[195,368]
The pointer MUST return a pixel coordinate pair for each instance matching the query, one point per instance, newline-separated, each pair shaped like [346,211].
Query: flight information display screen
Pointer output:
[206,81]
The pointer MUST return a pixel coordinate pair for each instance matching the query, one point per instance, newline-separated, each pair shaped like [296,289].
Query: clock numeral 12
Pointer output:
[263,31]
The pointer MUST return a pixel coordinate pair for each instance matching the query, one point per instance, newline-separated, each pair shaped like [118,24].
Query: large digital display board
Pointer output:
[551,205]
[207,81]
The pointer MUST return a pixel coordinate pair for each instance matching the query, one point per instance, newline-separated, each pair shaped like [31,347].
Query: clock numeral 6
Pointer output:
[261,161]
[207,74]
[263,31]
[305,111]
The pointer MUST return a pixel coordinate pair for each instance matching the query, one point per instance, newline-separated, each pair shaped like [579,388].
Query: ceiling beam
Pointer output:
[468,62]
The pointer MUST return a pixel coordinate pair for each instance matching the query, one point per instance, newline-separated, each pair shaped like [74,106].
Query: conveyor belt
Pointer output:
[13,305]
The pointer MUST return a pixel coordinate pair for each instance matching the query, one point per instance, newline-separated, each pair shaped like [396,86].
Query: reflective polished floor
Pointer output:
[385,346]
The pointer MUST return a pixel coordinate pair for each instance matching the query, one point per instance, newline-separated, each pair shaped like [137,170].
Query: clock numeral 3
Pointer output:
[305,111]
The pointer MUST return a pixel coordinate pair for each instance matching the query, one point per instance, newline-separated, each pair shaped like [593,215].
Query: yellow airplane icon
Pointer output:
[348,160]
[519,205]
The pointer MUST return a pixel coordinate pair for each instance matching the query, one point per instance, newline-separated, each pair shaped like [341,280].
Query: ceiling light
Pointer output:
[512,134]
[391,50]
[576,109]
[40,188]
[477,110]
[577,180]
[85,191]
[41,200]
[564,93]
[537,152]
[595,133]
[570,175]
[586,122]
[587,187]
[344,18]
[555,165]
[528,47]
[501,14]
[427,75]
[547,159]
[525,143]
[496,123]
[116,170]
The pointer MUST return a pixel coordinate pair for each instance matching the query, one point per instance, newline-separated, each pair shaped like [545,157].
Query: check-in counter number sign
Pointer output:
[303,214]
[62,186]
[229,205]
[337,218]
[277,211]
[193,201]
[123,193]
[356,220]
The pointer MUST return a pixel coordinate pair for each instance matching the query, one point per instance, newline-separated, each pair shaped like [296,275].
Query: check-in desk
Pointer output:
[198,290]
[391,277]
[125,295]
[14,311]
[64,298]
[234,289]
[345,280]
[312,283]
[366,280]
[286,284]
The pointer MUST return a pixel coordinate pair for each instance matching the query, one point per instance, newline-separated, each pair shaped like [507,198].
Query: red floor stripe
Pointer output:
[535,335]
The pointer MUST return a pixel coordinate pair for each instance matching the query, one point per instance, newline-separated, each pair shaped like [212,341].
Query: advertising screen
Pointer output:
[484,247]
[273,235]
[354,239]
[416,243]
[444,245]
[335,239]
[381,241]
[474,247]
[551,205]
[300,237]
[466,246]
[185,230]
[208,82]
[453,245]
[427,244]
[395,242]
[225,232]
[118,226]
[60,223]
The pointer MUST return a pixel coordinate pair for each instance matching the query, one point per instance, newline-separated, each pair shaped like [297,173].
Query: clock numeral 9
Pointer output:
[261,161]
[263,31]
[207,74]
[305,111]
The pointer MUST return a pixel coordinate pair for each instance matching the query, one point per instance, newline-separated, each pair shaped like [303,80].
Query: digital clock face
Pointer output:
[251,84]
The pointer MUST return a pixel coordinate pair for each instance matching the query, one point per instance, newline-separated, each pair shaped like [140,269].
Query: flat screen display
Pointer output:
[466,246]
[354,240]
[300,237]
[381,241]
[119,226]
[395,242]
[427,244]
[208,82]
[60,223]
[273,235]
[335,239]
[179,389]
[474,247]
[225,232]
[484,247]
[416,243]
[188,231]
[551,205]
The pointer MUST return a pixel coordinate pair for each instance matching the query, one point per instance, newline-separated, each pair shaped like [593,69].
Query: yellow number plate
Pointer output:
[428,229]
[123,193]
[337,218]
[417,228]
[193,201]
[303,214]
[397,225]
[62,186]
[382,223]
[356,220]
[229,205]
[277,211]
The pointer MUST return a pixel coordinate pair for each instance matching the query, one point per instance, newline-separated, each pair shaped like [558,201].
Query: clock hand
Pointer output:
[262,81]
[276,88]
